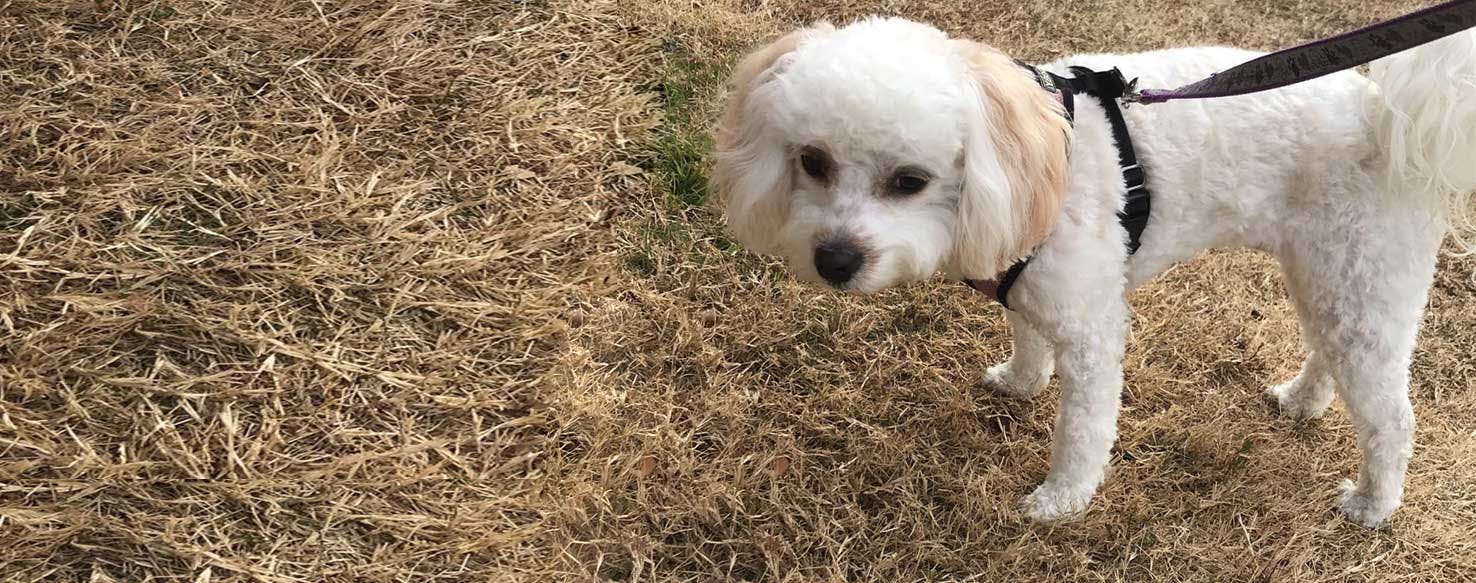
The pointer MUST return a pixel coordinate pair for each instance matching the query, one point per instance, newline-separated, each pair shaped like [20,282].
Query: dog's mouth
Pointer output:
[859,284]
[875,273]
[847,287]
[863,283]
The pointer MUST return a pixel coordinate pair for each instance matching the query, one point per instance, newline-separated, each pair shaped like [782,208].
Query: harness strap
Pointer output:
[1107,87]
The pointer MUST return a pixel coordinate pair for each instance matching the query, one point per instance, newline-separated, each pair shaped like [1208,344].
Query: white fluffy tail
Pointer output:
[1427,124]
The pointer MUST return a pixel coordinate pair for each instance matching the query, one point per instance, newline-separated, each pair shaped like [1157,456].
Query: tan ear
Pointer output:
[750,171]
[750,72]
[1029,138]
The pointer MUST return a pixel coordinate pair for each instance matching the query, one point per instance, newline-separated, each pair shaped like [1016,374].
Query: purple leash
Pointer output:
[1322,57]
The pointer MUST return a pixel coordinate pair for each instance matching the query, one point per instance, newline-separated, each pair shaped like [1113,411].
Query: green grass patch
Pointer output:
[640,263]
[680,161]
[678,155]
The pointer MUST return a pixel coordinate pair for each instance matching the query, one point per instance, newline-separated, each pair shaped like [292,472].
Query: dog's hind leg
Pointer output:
[1308,395]
[1363,299]
[1030,365]
[1373,379]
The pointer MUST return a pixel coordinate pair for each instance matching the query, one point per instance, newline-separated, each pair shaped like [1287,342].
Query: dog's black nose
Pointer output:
[838,261]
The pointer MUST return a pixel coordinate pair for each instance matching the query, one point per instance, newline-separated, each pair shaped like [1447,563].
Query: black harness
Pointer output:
[1107,87]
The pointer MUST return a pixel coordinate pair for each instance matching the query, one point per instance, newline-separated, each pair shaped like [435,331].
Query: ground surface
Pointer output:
[429,290]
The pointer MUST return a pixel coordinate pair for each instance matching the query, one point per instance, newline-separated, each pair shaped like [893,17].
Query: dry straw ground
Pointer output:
[427,290]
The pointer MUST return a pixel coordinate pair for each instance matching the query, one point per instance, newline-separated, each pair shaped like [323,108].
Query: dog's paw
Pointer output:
[1292,403]
[1362,509]
[1004,381]
[1049,503]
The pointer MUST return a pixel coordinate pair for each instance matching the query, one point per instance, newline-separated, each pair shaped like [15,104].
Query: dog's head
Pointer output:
[884,152]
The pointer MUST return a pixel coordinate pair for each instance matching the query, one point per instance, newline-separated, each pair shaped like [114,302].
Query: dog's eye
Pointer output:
[814,164]
[908,183]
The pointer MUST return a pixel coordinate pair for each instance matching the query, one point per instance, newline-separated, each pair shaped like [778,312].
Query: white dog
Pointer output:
[886,152]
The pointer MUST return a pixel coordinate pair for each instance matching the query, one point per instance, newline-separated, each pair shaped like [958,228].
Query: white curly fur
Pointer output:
[1350,183]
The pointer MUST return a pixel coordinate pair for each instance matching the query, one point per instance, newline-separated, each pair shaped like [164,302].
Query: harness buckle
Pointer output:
[1046,82]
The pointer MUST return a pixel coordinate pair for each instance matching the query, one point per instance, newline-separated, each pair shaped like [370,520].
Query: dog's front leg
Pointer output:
[1030,365]
[1089,351]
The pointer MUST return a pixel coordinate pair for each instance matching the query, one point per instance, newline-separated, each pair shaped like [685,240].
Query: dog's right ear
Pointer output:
[751,170]
[1015,164]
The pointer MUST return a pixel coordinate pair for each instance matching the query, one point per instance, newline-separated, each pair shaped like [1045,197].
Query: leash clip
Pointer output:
[1130,94]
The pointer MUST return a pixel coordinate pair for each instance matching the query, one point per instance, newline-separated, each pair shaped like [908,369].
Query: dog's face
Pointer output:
[885,152]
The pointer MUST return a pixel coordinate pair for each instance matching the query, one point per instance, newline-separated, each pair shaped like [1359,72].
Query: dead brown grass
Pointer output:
[423,290]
